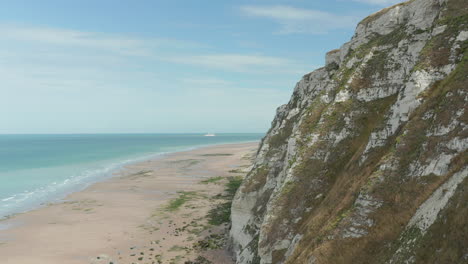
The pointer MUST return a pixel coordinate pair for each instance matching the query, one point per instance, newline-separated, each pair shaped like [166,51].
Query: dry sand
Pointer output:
[127,219]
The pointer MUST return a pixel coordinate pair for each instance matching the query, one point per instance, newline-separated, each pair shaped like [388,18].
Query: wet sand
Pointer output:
[153,211]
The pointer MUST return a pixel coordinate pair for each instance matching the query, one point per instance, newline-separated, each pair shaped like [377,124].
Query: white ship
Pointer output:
[210,135]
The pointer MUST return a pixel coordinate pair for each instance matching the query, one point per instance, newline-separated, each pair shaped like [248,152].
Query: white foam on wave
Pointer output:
[57,190]
[9,198]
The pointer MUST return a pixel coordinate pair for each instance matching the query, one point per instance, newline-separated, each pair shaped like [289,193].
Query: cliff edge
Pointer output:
[367,163]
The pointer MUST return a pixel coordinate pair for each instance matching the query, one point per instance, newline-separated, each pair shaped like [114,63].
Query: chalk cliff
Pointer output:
[367,163]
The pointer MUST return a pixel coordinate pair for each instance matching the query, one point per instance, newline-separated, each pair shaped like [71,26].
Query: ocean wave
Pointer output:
[9,198]
[79,177]
[57,190]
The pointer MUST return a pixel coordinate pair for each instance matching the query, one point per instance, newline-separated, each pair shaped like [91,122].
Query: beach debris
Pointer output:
[102,259]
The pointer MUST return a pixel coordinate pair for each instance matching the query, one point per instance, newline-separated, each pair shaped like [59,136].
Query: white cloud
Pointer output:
[73,38]
[380,2]
[298,20]
[236,61]
[209,82]
[240,63]
[61,81]
[121,44]
[70,47]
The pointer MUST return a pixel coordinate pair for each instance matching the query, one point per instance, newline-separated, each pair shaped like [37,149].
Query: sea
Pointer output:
[39,169]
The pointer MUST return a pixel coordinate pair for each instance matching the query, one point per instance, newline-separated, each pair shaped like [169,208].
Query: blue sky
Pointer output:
[126,66]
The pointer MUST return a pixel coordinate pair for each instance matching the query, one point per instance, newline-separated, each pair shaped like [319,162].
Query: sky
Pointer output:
[160,66]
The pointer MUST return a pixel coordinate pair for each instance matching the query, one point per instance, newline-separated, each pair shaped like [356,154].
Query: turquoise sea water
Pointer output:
[36,169]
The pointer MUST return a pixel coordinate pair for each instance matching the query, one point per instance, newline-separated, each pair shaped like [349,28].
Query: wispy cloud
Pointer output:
[81,80]
[71,47]
[240,62]
[299,20]
[380,2]
[120,44]
[73,38]
[208,82]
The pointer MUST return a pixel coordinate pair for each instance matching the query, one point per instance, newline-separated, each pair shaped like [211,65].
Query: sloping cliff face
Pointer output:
[367,163]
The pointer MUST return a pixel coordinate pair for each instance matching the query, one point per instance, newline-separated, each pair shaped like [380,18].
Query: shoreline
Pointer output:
[129,211]
[118,168]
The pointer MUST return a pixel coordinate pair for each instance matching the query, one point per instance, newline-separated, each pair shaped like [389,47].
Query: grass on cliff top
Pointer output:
[382,12]
[222,212]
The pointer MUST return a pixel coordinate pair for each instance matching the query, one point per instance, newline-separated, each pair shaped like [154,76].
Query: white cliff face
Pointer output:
[401,110]
[333,57]
[375,133]
[425,217]
[428,211]
[415,15]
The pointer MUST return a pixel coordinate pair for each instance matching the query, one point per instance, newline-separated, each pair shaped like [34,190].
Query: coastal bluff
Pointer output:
[367,162]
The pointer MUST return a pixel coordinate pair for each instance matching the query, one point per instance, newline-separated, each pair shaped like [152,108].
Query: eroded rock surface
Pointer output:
[367,163]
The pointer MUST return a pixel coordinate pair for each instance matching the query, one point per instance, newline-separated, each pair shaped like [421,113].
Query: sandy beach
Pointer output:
[153,211]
